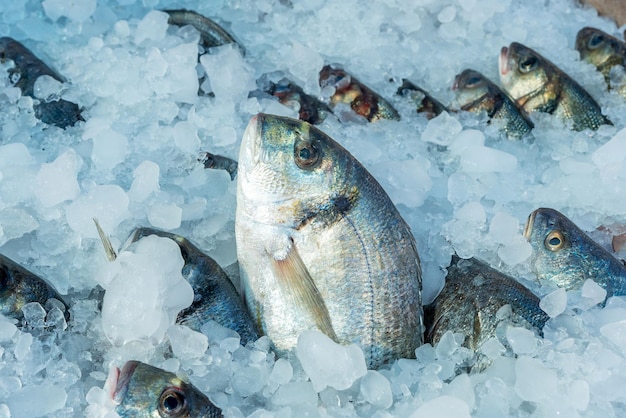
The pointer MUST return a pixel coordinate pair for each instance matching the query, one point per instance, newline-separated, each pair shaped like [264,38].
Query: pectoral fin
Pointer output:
[298,283]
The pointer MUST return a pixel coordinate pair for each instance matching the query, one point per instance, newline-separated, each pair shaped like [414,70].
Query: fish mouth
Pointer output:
[504,61]
[529,225]
[117,381]
[251,141]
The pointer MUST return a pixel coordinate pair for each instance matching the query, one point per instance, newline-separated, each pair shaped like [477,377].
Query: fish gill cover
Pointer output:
[151,106]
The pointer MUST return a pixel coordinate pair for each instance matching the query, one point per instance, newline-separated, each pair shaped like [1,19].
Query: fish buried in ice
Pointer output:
[425,103]
[476,93]
[215,296]
[218,162]
[602,51]
[363,100]
[536,84]
[27,69]
[19,286]
[474,292]
[321,246]
[564,254]
[310,109]
[143,391]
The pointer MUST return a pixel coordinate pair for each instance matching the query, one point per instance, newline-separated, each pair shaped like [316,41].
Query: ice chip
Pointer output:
[554,303]
[145,181]
[376,389]
[56,182]
[107,203]
[533,380]
[36,400]
[153,26]
[443,407]
[76,10]
[281,372]
[186,343]
[522,340]
[592,291]
[46,86]
[442,129]
[165,216]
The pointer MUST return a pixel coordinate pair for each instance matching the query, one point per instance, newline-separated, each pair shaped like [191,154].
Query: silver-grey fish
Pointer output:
[474,292]
[215,296]
[476,93]
[321,246]
[363,100]
[604,52]
[19,286]
[27,69]
[536,84]
[424,102]
[218,162]
[143,391]
[564,254]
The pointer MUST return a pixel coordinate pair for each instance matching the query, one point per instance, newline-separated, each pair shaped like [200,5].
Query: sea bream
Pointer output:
[565,255]
[321,246]
[537,85]
[27,68]
[602,51]
[139,390]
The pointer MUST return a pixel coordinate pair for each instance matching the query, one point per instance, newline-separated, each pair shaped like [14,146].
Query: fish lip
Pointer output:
[251,143]
[529,225]
[504,61]
[123,377]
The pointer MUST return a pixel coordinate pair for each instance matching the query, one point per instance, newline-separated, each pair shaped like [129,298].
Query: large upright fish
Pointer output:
[143,391]
[565,255]
[321,245]
[27,69]
[602,51]
[536,84]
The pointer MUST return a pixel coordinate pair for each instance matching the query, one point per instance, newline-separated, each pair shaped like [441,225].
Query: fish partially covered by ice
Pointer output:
[564,254]
[476,93]
[424,102]
[143,391]
[602,51]
[27,69]
[219,162]
[321,246]
[537,85]
[18,286]
[472,303]
[361,99]
[309,108]
[215,297]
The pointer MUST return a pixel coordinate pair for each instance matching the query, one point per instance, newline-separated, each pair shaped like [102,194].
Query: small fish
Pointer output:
[476,93]
[537,85]
[425,103]
[19,286]
[321,246]
[564,254]
[362,99]
[604,52]
[217,162]
[474,292]
[309,107]
[143,391]
[211,34]
[215,297]
[27,69]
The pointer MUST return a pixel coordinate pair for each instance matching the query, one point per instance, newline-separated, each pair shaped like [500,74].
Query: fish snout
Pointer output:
[504,61]
[529,225]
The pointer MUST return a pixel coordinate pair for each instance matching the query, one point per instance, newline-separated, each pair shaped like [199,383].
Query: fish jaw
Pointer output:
[528,228]
[503,62]
[118,384]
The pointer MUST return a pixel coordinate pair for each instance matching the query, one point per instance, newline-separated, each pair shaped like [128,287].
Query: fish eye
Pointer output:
[554,241]
[307,155]
[528,64]
[473,80]
[595,40]
[172,402]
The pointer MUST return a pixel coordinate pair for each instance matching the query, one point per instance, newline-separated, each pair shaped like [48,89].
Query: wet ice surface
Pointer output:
[459,185]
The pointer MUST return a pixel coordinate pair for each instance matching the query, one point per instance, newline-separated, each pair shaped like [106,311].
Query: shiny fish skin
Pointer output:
[536,84]
[321,246]
[363,100]
[476,93]
[144,391]
[602,51]
[215,297]
[424,102]
[28,68]
[565,255]
[309,108]
[218,162]
[19,286]
[472,295]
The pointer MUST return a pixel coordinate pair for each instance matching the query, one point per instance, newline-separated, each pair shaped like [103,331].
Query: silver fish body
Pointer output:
[143,391]
[321,246]
[215,296]
[564,254]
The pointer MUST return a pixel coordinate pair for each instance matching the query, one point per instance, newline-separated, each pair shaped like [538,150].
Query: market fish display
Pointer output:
[25,72]
[19,286]
[321,246]
[473,294]
[309,108]
[564,254]
[537,85]
[602,51]
[476,93]
[215,296]
[424,102]
[143,391]
[361,99]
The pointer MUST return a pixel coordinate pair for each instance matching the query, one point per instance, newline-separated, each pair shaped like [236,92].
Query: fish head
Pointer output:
[599,48]
[141,390]
[469,85]
[523,71]
[289,170]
